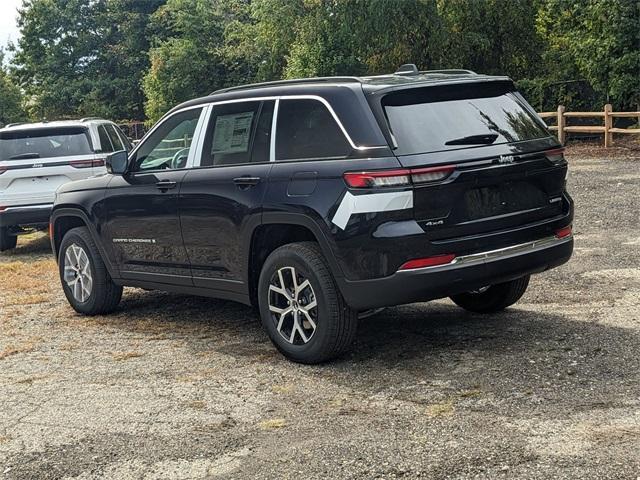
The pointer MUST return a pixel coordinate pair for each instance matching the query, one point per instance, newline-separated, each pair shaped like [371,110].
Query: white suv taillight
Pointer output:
[99,162]
[399,177]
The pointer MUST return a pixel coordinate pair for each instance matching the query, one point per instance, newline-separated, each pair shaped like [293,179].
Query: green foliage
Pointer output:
[602,37]
[138,58]
[79,57]
[187,55]
[11,109]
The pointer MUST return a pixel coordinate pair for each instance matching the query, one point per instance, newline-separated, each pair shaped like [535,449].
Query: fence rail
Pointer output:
[607,129]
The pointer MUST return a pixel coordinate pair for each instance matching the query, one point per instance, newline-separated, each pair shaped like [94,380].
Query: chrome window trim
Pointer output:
[335,118]
[207,109]
[195,154]
[274,123]
[163,120]
[492,255]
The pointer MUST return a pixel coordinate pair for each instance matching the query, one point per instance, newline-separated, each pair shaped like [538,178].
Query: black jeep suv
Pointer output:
[318,199]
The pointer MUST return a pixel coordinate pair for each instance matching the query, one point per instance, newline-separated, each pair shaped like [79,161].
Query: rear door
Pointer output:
[143,226]
[221,200]
[483,160]
[34,162]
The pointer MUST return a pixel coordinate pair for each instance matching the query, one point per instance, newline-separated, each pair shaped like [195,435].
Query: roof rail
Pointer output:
[14,124]
[450,71]
[86,119]
[290,82]
[407,69]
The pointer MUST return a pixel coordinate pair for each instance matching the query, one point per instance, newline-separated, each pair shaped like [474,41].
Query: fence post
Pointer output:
[608,124]
[561,124]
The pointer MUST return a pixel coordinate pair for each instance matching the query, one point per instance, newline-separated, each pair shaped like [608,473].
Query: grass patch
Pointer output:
[470,393]
[15,350]
[282,388]
[273,424]
[31,299]
[120,356]
[444,409]
[25,283]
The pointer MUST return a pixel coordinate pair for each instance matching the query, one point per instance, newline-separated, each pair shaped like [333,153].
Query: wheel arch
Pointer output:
[64,219]
[276,230]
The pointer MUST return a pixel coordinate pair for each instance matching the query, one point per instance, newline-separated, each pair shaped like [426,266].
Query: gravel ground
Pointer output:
[181,387]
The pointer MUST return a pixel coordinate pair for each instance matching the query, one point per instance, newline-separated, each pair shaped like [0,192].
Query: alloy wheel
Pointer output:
[77,272]
[293,305]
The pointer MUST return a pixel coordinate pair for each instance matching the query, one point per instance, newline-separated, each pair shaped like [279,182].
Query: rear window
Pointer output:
[44,143]
[307,130]
[432,119]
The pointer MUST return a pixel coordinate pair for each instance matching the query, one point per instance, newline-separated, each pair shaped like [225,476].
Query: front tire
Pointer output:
[7,241]
[301,308]
[493,298]
[84,276]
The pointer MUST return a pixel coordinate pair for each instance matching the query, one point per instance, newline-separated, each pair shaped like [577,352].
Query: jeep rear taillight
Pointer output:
[398,177]
[431,174]
[556,155]
[384,178]
[87,163]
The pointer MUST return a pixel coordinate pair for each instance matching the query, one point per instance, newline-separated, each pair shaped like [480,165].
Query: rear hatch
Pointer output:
[481,159]
[34,162]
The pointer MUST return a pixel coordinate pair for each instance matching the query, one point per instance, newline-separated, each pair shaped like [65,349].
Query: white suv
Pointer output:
[36,158]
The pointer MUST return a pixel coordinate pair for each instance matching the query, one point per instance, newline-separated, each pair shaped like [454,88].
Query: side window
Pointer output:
[105,141]
[306,129]
[238,133]
[113,136]
[169,145]
[124,139]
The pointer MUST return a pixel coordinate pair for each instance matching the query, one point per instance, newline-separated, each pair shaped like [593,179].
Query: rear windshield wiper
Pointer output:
[22,156]
[484,139]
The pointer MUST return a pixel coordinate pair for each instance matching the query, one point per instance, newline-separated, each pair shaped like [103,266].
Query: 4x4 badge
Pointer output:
[506,159]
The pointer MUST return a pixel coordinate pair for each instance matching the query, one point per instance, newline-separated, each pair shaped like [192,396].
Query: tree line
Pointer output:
[135,59]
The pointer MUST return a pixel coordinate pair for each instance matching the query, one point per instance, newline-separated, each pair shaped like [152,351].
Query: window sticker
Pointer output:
[231,134]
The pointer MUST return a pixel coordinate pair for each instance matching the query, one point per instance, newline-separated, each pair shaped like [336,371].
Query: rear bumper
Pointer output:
[465,273]
[23,215]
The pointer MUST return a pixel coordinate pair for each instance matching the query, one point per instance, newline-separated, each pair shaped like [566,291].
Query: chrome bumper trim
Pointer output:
[498,254]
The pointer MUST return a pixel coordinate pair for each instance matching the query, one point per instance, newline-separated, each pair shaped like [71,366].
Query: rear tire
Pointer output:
[7,241]
[84,276]
[493,299]
[307,319]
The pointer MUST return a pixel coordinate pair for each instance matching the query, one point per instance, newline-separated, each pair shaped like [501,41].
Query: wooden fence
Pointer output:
[608,129]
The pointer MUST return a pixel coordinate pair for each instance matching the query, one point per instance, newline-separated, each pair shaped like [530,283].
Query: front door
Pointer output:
[143,225]
[221,201]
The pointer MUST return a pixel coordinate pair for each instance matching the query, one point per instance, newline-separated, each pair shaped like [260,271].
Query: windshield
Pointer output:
[432,119]
[44,143]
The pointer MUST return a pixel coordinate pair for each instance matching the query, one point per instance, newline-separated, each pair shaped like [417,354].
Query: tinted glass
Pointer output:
[262,139]
[169,145]
[113,136]
[429,119]
[306,129]
[44,143]
[105,141]
[238,133]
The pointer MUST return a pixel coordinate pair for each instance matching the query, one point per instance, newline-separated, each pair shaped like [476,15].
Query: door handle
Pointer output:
[166,184]
[246,181]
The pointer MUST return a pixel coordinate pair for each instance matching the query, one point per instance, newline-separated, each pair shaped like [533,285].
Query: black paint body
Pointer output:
[199,235]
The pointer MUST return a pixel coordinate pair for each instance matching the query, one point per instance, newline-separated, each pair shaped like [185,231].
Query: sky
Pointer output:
[8,28]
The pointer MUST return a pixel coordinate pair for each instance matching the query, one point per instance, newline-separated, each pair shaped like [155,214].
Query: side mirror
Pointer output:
[117,162]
